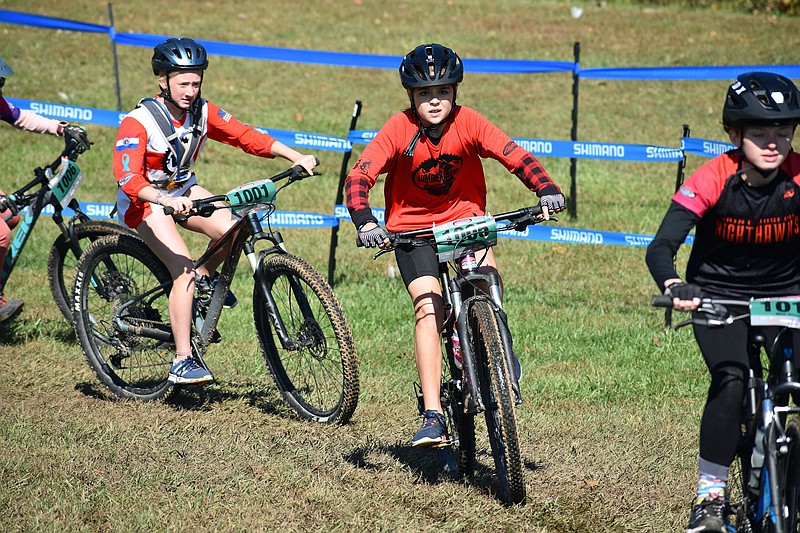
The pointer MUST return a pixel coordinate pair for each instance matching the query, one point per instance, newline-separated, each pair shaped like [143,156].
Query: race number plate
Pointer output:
[776,312]
[460,237]
[253,195]
[65,182]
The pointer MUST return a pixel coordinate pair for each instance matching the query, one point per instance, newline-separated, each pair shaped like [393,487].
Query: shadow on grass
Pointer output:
[23,329]
[193,398]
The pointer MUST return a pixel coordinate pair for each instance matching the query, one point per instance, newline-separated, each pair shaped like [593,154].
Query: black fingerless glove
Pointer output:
[374,237]
[684,291]
[76,136]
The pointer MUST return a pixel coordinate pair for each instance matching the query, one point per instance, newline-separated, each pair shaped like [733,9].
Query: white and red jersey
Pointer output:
[143,155]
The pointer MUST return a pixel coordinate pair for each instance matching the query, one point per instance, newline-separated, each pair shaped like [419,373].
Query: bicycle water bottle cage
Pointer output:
[460,237]
[253,196]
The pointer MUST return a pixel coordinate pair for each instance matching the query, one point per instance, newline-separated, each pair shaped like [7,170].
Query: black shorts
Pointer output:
[416,261]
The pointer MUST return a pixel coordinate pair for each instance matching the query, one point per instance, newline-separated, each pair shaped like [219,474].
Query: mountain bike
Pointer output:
[478,359]
[122,319]
[763,488]
[54,186]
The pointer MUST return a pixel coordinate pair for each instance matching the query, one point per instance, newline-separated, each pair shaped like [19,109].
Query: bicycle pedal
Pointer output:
[446,443]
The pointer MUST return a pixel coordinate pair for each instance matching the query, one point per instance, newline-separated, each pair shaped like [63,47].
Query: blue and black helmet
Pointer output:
[429,65]
[176,54]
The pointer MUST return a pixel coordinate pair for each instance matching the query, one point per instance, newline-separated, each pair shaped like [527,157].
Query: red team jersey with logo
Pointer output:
[747,241]
[441,182]
[142,156]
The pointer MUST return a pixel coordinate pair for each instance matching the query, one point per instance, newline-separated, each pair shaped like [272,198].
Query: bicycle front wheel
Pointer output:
[62,261]
[317,370]
[111,272]
[498,398]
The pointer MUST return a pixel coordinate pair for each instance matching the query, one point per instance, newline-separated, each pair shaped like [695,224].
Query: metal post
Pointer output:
[340,196]
[112,32]
[682,162]
[573,163]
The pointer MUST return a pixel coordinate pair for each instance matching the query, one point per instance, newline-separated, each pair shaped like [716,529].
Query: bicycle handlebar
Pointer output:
[205,206]
[520,219]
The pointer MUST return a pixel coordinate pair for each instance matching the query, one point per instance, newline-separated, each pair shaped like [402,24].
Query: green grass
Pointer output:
[612,400]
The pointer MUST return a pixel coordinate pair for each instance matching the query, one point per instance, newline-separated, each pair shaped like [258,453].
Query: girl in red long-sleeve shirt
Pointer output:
[431,155]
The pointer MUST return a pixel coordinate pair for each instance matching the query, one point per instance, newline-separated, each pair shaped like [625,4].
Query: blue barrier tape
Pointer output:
[705,147]
[278,219]
[550,233]
[390,62]
[686,73]
[573,149]
[26,19]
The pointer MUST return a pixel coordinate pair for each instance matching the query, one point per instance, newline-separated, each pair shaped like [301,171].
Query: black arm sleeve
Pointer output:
[660,257]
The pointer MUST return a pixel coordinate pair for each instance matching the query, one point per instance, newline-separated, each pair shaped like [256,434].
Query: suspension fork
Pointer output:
[473,402]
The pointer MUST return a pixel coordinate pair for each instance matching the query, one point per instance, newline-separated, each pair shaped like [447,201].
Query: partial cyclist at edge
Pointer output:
[157,145]
[431,155]
[745,208]
[25,120]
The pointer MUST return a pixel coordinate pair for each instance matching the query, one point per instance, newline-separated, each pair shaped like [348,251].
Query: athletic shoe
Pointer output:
[433,430]
[9,308]
[707,516]
[189,371]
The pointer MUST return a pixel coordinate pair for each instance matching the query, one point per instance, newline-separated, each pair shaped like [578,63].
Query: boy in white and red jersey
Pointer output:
[745,208]
[431,155]
[26,120]
[157,145]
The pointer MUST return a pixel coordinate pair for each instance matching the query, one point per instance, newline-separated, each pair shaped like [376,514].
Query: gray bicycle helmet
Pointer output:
[761,99]
[176,54]
[429,65]
[5,70]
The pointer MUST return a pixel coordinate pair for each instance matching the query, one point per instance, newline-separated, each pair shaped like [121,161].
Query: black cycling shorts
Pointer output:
[416,261]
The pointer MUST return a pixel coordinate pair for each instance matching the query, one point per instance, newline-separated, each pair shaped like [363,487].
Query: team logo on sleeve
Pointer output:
[510,147]
[127,143]
[436,176]
[687,192]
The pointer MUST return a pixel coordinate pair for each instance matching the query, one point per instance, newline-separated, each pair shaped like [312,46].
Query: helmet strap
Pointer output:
[424,130]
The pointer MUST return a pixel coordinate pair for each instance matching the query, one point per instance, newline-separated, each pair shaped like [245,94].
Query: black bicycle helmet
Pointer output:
[761,99]
[429,65]
[176,54]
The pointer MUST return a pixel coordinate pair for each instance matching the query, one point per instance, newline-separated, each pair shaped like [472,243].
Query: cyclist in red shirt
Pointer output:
[431,155]
[745,208]
[157,145]
[25,120]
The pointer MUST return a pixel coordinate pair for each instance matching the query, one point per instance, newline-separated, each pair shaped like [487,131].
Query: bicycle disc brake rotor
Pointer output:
[310,337]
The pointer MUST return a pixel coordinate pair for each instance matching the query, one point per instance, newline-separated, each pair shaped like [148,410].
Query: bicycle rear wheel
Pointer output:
[498,398]
[792,479]
[62,261]
[736,491]
[111,272]
[317,374]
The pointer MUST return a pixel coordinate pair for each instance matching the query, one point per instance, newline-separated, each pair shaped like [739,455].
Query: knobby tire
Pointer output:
[498,397]
[62,261]
[319,377]
[792,487]
[111,271]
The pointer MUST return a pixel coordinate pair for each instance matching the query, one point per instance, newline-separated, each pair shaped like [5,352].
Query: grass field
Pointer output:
[609,425]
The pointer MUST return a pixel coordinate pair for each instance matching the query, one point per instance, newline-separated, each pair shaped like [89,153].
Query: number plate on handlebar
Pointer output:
[783,311]
[460,237]
[251,196]
[65,182]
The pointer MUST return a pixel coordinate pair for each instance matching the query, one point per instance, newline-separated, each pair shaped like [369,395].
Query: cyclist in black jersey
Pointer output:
[745,208]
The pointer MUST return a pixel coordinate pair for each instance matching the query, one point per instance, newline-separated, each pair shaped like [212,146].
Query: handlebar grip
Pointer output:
[661,300]
[168,210]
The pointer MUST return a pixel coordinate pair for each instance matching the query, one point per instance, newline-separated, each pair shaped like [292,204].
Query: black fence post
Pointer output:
[573,163]
[112,34]
[340,195]
[682,162]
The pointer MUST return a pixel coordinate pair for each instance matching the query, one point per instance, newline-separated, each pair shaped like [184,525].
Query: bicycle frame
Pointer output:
[242,236]
[37,203]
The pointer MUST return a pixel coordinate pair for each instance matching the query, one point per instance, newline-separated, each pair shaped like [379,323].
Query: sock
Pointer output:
[709,486]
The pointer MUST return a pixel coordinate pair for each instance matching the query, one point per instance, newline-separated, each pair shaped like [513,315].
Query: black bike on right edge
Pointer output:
[763,489]
[479,365]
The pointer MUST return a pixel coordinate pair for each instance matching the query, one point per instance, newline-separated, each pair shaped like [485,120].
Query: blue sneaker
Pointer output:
[189,371]
[433,431]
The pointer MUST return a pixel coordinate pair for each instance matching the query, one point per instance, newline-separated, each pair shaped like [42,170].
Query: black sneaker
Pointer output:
[432,432]
[707,516]
[205,289]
